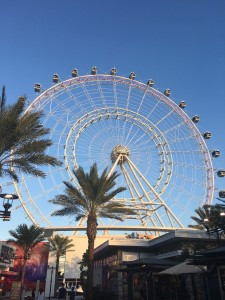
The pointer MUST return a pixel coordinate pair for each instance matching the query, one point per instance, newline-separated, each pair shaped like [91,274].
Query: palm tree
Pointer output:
[207,217]
[26,238]
[211,218]
[91,201]
[59,246]
[22,146]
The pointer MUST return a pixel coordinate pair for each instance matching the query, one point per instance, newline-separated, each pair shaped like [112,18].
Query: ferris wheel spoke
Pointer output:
[138,109]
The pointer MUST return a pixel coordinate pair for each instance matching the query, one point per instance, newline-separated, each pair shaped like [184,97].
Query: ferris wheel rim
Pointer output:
[93,115]
[61,86]
[140,85]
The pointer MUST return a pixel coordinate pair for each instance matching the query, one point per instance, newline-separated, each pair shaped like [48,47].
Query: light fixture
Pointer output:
[7,204]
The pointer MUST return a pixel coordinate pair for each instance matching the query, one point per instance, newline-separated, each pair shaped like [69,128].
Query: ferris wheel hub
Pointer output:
[121,151]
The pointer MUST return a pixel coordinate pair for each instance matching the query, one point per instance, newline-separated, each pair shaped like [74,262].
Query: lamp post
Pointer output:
[7,204]
[51,268]
[50,288]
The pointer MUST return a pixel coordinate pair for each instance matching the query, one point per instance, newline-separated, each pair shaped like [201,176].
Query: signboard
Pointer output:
[15,291]
[9,273]
[6,254]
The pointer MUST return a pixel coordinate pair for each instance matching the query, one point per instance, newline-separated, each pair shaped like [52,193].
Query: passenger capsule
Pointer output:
[221,173]
[132,75]
[55,78]
[74,73]
[167,92]
[37,87]
[182,104]
[113,71]
[222,194]
[216,153]
[196,119]
[207,135]
[94,71]
[150,82]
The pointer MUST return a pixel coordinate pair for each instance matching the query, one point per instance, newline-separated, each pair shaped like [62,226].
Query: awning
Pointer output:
[182,268]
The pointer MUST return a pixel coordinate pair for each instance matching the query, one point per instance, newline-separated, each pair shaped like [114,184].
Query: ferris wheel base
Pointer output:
[49,231]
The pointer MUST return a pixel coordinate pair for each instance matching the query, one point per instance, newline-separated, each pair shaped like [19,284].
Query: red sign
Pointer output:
[10,273]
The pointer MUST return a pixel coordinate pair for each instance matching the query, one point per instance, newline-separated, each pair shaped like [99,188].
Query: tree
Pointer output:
[59,245]
[208,217]
[22,146]
[91,201]
[26,238]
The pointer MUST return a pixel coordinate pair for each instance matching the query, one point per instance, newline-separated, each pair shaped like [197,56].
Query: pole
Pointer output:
[218,236]
[49,297]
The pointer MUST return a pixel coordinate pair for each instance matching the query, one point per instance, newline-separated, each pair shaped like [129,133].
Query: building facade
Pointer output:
[130,268]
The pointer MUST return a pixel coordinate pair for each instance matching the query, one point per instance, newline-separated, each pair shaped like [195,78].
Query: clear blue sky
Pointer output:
[179,44]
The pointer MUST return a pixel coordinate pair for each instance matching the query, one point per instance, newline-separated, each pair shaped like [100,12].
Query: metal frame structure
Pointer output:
[78,105]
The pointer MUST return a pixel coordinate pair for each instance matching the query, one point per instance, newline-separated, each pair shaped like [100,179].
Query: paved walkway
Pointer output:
[76,297]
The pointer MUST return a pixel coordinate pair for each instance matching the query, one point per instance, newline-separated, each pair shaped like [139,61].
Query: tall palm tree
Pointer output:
[26,238]
[91,201]
[22,146]
[59,245]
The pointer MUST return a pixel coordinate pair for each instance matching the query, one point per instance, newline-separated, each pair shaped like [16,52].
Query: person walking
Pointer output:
[41,295]
[72,294]
[33,294]
[62,292]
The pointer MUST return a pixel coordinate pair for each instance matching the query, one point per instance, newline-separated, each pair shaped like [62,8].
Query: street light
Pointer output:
[50,288]
[7,204]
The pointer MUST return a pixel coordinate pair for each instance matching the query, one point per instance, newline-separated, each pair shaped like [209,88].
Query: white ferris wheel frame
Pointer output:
[94,116]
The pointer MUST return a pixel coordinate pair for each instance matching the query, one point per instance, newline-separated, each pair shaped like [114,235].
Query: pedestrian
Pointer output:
[41,295]
[33,294]
[72,293]
[62,292]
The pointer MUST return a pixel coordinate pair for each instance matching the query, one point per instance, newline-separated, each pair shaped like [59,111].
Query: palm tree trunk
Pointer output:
[56,275]
[91,234]
[23,274]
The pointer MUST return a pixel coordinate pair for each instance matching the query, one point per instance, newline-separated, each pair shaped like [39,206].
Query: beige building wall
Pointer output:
[72,269]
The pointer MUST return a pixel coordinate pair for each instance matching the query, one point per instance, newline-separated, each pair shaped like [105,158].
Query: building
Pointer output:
[128,267]
[11,260]
[7,253]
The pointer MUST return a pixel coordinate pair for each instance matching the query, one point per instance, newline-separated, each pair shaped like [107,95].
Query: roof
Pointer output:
[121,243]
[213,251]
[146,265]
[214,256]
[150,261]
[182,268]
[180,234]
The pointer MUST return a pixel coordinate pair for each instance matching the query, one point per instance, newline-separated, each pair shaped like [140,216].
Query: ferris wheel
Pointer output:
[124,125]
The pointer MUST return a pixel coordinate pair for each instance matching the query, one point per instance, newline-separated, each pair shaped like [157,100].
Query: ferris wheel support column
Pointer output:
[114,166]
[146,195]
[127,177]
[128,183]
[157,195]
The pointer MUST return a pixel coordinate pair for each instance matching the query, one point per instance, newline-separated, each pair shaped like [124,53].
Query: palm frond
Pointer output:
[22,146]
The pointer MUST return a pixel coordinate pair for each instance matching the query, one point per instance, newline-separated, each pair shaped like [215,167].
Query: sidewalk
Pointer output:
[76,297]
